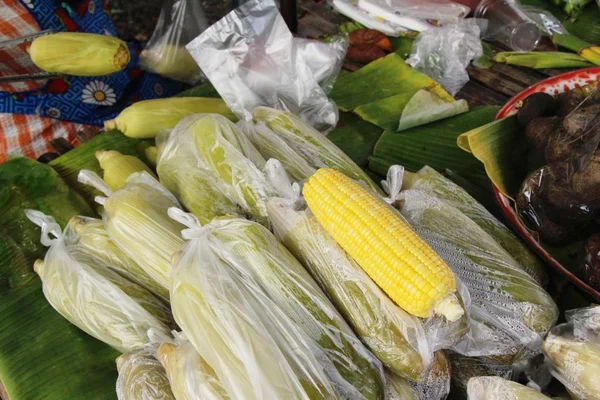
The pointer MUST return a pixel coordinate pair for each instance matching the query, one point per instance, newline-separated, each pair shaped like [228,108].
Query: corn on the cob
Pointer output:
[172,61]
[384,245]
[146,119]
[142,377]
[228,154]
[79,54]
[395,337]
[151,153]
[496,388]
[465,368]
[117,167]
[308,143]
[398,388]
[436,384]
[190,375]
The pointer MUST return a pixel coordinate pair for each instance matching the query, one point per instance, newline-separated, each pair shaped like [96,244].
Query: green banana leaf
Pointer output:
[355,137]
[206,89]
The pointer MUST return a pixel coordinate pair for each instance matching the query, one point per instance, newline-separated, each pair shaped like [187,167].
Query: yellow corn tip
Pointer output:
[117,167]
[384,246]
[79,54]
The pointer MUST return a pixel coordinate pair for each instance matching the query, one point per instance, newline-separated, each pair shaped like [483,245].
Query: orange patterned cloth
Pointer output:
[28,135]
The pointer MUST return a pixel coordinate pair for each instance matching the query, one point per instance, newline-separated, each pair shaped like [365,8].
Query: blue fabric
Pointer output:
[87,100]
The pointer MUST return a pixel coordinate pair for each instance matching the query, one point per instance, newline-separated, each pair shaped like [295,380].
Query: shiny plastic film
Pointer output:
[432,183]
[142,377]
[97,300]
[261,322]
[179,22]
[497,388]
[308,143]
[136,220]
[190,375]
[184,173]
[250,58]
[324,59]
[509,311]
[573,351]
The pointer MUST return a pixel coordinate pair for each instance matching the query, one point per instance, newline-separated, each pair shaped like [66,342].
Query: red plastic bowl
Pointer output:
[554,85]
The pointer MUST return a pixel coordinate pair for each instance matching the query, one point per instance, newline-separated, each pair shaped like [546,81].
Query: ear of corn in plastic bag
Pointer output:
[433,183]
[146,119]
[79,54]
[509,311]
[496,388]
[398,388]
[235,286]
[172,61]
[142,377]
[229,155]
[465,368]
[117,167]
[92,297]
[384,245]
[307,142]
[183,172]
[190,375]
[90,235]
[136,220]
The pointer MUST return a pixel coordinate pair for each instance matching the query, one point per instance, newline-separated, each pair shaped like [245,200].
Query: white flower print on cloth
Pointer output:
[98,92]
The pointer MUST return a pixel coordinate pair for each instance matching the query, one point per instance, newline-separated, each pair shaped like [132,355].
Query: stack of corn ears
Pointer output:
[142,377]
[261,322]
[91,296]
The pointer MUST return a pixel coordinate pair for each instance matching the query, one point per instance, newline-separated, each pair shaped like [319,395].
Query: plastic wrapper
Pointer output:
[279,134]
[573,351]
[136,220]
[142,377]
[414,14]
[261,322]
[190,375]
[97,300]
[350,9]
[184,173]
[435,385]
[250,58]
[431,182]
[465,368]
[398,388]
[324,59]
[89,235]
[509,312]
[496,388]
[445,53]
[179,22]
[229,155]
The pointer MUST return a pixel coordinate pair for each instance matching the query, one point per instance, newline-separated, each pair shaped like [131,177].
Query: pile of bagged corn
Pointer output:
[217,278]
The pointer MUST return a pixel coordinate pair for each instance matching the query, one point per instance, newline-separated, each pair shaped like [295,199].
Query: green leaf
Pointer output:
[402,45]
[204,90]
[355,137]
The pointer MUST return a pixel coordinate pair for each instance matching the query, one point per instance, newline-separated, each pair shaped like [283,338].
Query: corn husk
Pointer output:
[496,388]
[94,298]
[79,54]
[142,377]
[146,119]
[117,167]
[542,60]
[190,375]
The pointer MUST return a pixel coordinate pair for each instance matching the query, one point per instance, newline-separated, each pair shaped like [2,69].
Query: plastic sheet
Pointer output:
[573,351]
[250,58]
[136,220]
[496,388]
[509,311]
[92,297]
[190,375]
[445,53]
[257,317]
[178,23]
[141,377]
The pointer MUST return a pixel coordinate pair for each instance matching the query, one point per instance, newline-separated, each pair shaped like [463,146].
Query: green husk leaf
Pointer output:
[499,146]
[434,145]
[541,59]
[425,107]
[382,78]
[402,45]
[355,137]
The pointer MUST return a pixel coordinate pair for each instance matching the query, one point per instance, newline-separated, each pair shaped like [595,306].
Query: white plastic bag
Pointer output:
[179,22]
[250,58]
[445,53]
[324,59]
[350,9]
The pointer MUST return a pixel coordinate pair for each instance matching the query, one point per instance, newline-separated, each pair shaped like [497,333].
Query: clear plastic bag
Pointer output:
[443,11]
[497,388]
[324,59]
[250,58]
[142,377]
[545,20]
[445,53]
[136,220]
[92,297]
[350,9]
[179,22]
[257,317]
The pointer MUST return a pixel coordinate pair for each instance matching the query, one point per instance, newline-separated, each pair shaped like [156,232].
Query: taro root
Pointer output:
[539,130]
[565,207]
[364,53]
[535,106]
[568,139]
[586,182]
[592,261]
[568,101]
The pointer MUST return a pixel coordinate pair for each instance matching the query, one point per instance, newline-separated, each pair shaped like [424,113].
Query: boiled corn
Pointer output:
[142,377]
[117,167]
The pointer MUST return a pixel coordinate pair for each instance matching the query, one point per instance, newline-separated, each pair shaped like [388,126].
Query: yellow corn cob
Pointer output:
[146,119]
[384,245]
[117,167]
[151,154]
[79,54]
